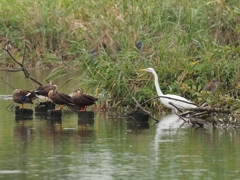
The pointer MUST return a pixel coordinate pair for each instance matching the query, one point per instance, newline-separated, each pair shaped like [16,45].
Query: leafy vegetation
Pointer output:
[188,43]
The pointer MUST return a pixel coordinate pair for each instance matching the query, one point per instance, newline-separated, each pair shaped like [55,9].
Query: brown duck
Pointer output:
[44,89]
[82,100]
[23,96]
[59,98]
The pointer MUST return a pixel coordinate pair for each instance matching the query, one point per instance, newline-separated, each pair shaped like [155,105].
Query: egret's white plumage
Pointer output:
[168,99]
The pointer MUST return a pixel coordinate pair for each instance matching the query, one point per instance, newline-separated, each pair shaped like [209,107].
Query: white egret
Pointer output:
[169,99]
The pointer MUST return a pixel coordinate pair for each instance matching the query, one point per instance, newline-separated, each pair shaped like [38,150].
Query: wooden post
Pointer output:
[139,116]
[23,113]
[42,108]
[89,121]
[85,118]
[85,115]
[54,114]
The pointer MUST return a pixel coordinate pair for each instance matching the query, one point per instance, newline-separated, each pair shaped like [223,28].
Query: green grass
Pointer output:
[188,43]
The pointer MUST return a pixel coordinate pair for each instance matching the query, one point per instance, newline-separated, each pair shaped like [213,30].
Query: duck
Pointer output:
[44,89]
[59,98]
[82,100]
[23,97]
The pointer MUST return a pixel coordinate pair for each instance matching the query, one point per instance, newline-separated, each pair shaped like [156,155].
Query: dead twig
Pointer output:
[170,98]
[8,84]
[175,107]
[145,111]
[9,105]
[211,110]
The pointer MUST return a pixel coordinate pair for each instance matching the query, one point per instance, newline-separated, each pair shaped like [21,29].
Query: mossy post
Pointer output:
[85,115]
[23,113]
[54,114]
[42,108]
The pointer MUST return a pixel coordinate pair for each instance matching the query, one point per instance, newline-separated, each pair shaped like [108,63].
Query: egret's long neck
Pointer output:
[159,92]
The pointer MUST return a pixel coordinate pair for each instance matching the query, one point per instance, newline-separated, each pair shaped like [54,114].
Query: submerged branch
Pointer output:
[145,111]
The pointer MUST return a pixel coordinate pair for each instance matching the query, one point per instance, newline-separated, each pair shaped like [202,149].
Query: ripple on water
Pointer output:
[5,97]
[11,171]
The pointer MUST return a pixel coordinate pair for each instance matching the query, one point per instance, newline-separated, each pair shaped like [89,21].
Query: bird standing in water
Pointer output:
[168,99]
[82,100]
[59,98]
[23,97]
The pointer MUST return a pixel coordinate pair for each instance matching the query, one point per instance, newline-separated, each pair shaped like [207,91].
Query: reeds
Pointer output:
[187,42]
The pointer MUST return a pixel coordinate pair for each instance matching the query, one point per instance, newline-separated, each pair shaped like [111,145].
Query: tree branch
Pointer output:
[145,111]
[8,84]
[26,73]
[170,98]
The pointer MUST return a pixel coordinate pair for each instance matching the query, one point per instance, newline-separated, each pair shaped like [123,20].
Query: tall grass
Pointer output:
[187,42]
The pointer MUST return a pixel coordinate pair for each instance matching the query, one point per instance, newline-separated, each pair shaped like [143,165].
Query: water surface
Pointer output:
[111,148]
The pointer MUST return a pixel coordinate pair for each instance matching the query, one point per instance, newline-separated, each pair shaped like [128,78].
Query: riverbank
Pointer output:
[188,43]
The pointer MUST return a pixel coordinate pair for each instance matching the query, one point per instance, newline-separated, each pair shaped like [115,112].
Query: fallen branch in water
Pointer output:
[175,107]
[211,110]
[145,111]
[201,115]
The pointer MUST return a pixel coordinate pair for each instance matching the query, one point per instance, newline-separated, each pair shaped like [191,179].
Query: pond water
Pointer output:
[108,147]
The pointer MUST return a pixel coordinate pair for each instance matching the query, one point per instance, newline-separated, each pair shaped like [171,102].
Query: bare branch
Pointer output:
[138,105]
[26,73]
[175,107]
[24,53]
[170,98]
[8,84]
[12,57]
[211,110]
[10,70]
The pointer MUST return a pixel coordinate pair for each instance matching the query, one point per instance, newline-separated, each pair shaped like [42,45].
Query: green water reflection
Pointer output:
[110,148]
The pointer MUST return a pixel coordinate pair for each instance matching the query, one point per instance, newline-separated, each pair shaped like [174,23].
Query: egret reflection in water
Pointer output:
[168,125]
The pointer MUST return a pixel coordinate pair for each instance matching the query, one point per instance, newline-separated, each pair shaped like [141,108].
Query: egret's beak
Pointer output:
[142,70]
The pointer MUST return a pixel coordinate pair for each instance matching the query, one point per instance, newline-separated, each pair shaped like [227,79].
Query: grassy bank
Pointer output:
[187,42]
